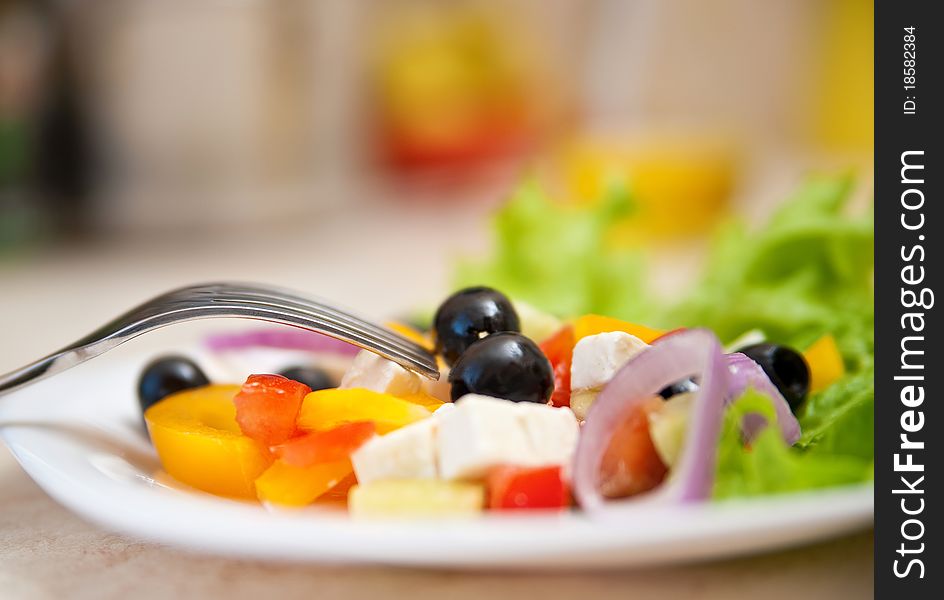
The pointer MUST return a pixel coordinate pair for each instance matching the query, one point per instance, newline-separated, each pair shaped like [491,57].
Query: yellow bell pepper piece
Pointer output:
[415,498]
[329,408]
[199,442]
[825,363]
[594,324]
[289,485]
[411,333]
[427,401]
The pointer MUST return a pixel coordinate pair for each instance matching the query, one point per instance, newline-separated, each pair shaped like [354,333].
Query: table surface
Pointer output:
[52,298]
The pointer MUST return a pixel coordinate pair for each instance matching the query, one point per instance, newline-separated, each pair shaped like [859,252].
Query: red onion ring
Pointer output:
[744,373]
[286,338]
[691,352]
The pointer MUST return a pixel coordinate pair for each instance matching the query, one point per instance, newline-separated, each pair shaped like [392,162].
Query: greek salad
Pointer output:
[758,382]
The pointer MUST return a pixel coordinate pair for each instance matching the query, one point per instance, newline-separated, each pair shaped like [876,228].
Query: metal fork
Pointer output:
[239,300]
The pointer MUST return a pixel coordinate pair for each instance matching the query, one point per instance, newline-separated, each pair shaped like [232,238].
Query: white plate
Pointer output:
[79,436]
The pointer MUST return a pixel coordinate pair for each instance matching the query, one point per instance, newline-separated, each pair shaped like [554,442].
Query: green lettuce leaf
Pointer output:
[840,419]
[805,274]
[554,256]
[768,465]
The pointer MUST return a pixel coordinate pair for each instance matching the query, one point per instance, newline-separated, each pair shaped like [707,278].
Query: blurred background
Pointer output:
[354,148]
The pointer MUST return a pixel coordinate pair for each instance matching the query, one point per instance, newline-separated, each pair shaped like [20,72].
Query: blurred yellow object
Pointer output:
[825,363]
[844,79]
[416,498]
[199,443]
[681,184]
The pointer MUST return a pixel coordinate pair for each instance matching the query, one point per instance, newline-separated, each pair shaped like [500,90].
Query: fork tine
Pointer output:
[288,300]
[341,324]
[273,295]
[327,311]
[421,362]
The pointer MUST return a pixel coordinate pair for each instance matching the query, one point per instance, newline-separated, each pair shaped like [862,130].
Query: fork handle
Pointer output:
[52,364]
[37,370]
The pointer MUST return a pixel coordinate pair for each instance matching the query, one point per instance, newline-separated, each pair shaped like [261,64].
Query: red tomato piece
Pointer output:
[329,445]
[631,464]
[559,350]
[338,494]
[267,407]
[512,487]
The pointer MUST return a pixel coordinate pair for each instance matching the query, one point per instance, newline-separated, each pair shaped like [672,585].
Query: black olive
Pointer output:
[313,377]
[503,365]
[469,315]
[167,375]
[786,368]
[679,387]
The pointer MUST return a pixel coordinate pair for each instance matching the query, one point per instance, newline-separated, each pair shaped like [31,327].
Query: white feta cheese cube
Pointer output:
[440,388]
[598,357]
[376,373]
[551,432]
[406,453]
[483,432]
[444,408]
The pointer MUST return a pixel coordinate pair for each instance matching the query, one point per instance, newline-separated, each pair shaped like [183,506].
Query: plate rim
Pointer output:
[65,470]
